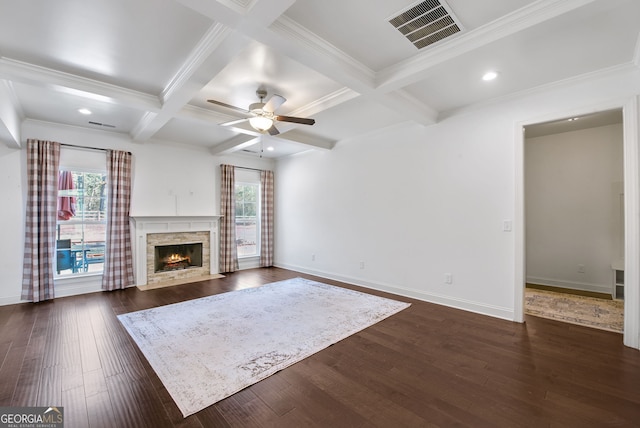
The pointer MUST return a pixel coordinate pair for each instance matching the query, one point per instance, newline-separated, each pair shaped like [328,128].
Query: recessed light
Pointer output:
[84,111]
[270,148]
[572,119]
[489,75]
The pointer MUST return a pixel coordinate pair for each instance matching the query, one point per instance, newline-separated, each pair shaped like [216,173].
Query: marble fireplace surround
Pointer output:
[148,230]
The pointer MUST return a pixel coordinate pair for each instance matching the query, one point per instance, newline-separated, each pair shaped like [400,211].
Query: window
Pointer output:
[247,219]
[81,228]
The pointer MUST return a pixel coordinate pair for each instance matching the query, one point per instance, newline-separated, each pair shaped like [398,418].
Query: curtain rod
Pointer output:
[250,169]
[86,147]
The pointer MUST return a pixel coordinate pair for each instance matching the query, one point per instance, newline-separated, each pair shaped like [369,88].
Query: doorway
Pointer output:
[574,219]
[631,223]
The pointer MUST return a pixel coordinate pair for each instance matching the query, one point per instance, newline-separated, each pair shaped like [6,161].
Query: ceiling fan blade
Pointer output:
[232,122]
[292,119]
[220,103]
[274,102]
[273,130]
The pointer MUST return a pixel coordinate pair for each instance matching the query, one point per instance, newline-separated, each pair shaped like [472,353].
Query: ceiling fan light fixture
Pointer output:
[261,123]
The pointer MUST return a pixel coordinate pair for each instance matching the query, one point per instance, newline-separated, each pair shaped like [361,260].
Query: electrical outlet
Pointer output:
[361,265]
[313,257]
[448,278]
[581,269]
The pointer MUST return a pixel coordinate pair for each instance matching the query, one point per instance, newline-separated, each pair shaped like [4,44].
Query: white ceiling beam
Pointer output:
[10,116]
[215,49]
[328,101]
[248,136]
[264,12]
[316,53]
[300,137]
[412,70]
[33,75]
[229,14]
[199,114]
[266,23]
[636,53]
[306,47]
[410,107]
[234,144]
[254,21]
[233,14]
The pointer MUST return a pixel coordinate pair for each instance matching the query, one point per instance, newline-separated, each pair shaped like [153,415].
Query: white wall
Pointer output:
[12,220]
[415,203]
[167,181]
[573,187]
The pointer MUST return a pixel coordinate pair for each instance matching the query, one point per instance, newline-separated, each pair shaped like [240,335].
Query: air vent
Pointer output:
[106,125]
[426,23]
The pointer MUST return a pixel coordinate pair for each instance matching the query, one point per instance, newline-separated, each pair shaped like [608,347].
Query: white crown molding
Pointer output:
[13,98]
[34,75]
[211,40]
[636,53]
[75,128]
[306,140]
[140,132]
[410,70]
[326,102]
[402,101]
[200,114]
[609,72]
[240,6]
[11,115]
[291,30]
[234,144]
[211,55]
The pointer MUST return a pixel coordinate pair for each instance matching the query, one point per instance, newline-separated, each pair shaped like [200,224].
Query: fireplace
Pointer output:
[176,257]
[174,249]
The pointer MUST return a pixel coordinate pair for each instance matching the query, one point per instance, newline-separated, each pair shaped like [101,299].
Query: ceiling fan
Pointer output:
[262,115]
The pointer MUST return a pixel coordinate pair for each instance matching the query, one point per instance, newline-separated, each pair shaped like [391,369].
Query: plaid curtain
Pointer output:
[118,263]
[266,216]
[228,249]
[43,159]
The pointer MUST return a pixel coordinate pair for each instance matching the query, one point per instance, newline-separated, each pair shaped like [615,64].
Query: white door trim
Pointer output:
[631,127]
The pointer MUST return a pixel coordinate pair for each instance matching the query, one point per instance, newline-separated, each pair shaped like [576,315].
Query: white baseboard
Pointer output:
[452,302]
[68,288]
[11,300]
[571,285]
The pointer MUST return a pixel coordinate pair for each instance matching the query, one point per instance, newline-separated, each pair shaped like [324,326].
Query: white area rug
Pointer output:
[207,349]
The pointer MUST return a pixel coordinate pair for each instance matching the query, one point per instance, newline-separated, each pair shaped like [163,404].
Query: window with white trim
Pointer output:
[82,222]
[247,188]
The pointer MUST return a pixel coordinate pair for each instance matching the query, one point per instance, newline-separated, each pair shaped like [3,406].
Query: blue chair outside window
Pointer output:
[64,257]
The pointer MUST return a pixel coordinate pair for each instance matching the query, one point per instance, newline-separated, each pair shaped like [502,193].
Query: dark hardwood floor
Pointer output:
[428,365]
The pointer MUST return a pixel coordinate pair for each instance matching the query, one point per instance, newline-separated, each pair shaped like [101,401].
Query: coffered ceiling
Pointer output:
[147,68]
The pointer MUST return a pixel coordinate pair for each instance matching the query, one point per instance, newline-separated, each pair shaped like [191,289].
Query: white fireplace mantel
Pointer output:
[141,226]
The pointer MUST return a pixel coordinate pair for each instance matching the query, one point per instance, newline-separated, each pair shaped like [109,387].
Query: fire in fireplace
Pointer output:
[174,257]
